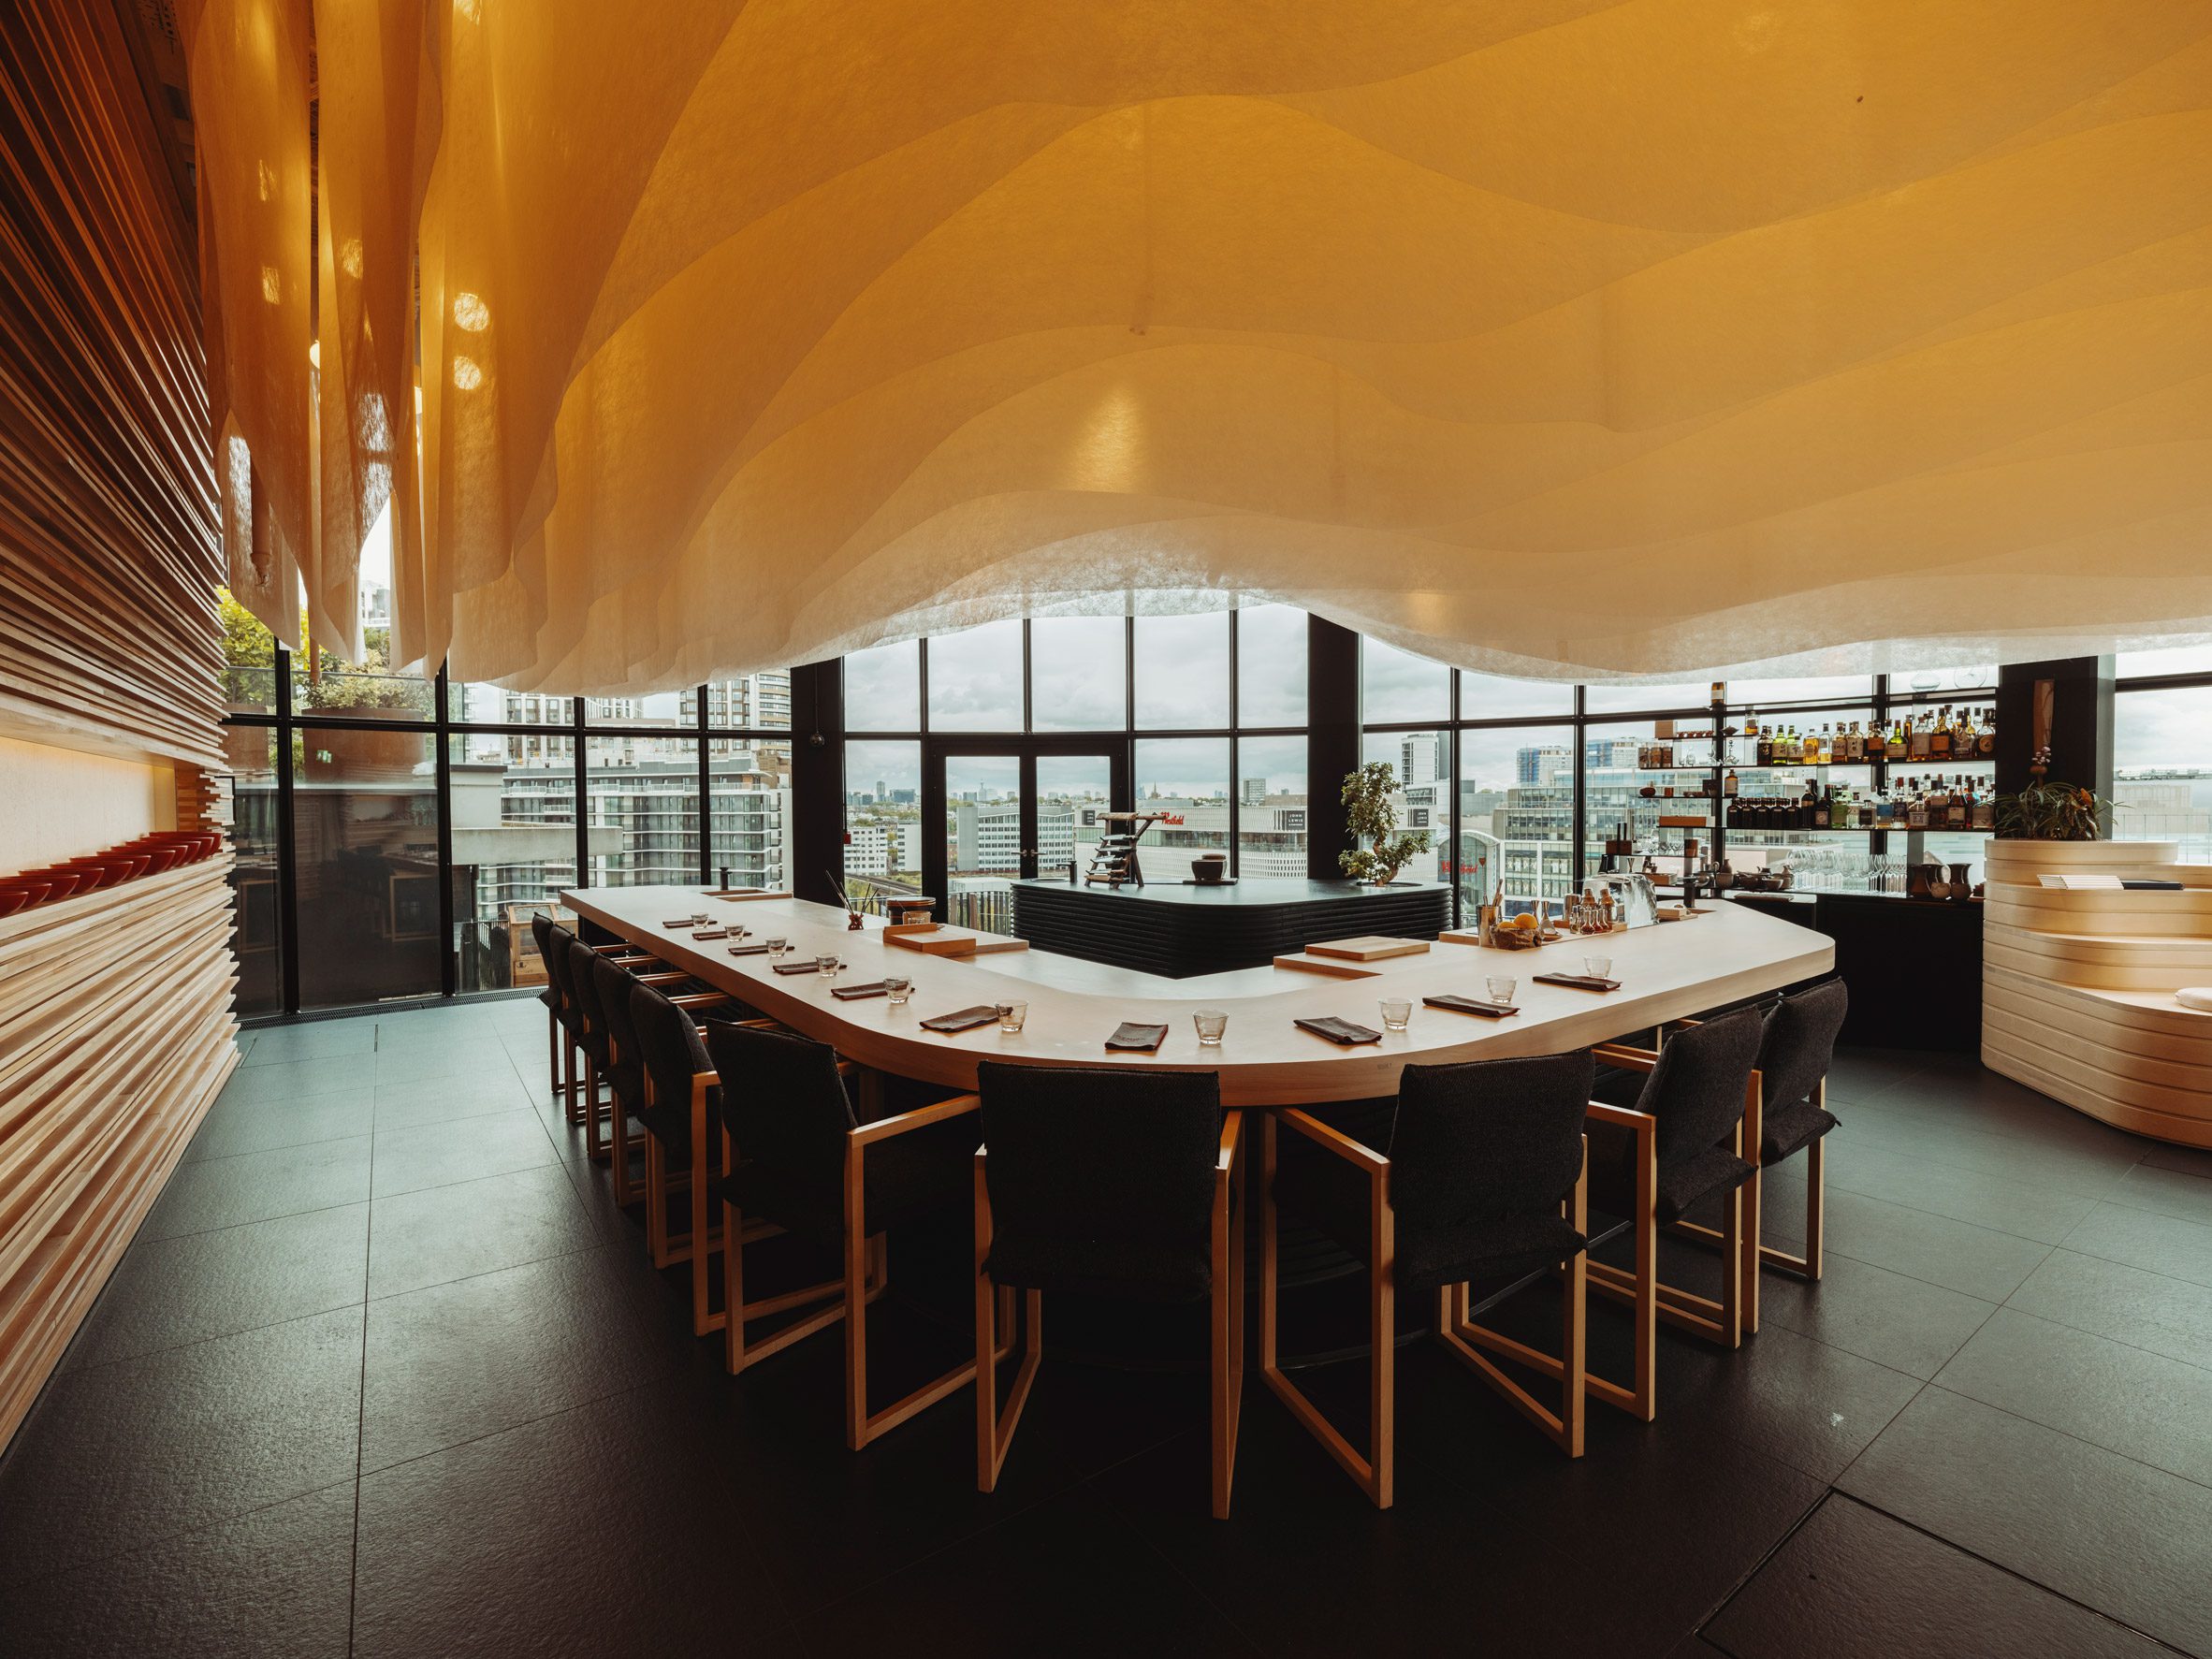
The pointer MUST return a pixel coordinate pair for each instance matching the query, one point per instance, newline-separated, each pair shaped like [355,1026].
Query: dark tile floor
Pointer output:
[386,1372]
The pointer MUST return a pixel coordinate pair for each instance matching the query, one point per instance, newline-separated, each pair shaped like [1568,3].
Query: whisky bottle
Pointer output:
[1764,751]
[1985,737]
[1895,748]
[1729,784]
[1939,737]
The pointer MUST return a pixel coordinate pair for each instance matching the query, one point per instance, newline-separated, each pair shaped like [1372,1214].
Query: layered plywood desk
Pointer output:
[1666,972]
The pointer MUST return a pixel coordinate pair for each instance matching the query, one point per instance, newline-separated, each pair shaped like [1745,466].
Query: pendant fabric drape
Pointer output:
[1547,338]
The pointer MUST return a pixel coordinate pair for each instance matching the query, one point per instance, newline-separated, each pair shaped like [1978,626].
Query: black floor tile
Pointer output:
[473,1055]
[2169,1192]
[1857,1163]
[480,1355]
[2115,1535]
[1852,1584]
[313,1039]
[276,1584]
[171,1291]
[599,1531]
[260,1186]
[295,1080]
[2166,1315]
[1906,1324]
[438,1155]
[117,1457]
[1974,1260]
[232,1126]
[439,1233]
[1070,1565]
[448,1099]
[2144,1406]
[2156,1243]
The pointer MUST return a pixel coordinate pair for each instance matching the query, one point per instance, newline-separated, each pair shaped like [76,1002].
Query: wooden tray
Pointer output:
[1367,947]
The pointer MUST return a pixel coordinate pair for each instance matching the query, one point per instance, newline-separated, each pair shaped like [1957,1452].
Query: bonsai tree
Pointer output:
[1371,818]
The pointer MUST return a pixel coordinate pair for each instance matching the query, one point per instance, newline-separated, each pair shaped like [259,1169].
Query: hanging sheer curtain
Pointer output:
[1548,338]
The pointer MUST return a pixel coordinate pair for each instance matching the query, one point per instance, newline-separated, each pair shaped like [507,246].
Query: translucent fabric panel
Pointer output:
[1592,340]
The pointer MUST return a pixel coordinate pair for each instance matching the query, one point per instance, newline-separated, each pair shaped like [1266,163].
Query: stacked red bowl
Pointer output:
[165,850]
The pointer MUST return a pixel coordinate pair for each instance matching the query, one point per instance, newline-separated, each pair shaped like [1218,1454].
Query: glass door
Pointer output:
[1000,809]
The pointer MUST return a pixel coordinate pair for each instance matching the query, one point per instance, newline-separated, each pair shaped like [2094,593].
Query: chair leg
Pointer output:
[1225,1315]
[1748,1251]
[553,1053]
[1816,1186]
[1731,1309]
[737,1353]
[1640,1290]
[993,1427]
[619,1152]
[1372,1473]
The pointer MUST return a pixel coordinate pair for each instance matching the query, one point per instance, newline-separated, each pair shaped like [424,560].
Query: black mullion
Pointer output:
[583,828]
[922,673]
[1028,680]
[448,971]
[1578,833]
[1236,765]
[705,800]
[287,860]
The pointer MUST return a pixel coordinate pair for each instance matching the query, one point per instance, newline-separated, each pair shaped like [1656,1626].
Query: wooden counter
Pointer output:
[1180,930]
[1668,971]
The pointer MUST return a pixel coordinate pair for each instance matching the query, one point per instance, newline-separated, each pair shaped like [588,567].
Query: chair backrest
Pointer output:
[553,943]
[1696,1090]
[1484,1139]
[583,993]
[785,1107]
[668,1045]
[1799,1043]
[611,985]
[1095,1165]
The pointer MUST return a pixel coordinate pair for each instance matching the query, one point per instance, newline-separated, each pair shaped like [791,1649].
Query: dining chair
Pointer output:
[1687,1140]
[552,943]
[1796,1051]
[1475,1173]
[779,1133]
[1111,1183]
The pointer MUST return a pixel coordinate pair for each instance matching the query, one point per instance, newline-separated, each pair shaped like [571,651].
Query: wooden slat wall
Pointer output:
[115,1025]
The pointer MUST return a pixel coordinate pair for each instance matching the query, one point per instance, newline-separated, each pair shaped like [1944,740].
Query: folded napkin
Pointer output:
[965,1020]
[806,967]
[847,993]
[749,950]
[1489,1010]
[1580,981]
[1136,1038]
[1343,1032]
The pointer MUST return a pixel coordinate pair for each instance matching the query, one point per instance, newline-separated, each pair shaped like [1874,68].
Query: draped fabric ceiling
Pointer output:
[1542,336]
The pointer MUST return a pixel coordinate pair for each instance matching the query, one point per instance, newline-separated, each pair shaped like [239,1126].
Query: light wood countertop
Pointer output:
[1667,972]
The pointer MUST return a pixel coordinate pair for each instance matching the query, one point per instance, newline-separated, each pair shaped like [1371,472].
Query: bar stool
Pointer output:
[793,1152]
[552,943]
[1685,1143]
[1110,1183]
[1795,1056]
[1480,1175]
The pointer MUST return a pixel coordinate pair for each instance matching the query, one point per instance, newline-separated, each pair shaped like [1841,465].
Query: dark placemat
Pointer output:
[967,1019]
[1472,1005]
[749,950]
[1132,1038]
[682,922]
[1343,1032]
[1580,981]
[848,993]
[712,933]
[806,966]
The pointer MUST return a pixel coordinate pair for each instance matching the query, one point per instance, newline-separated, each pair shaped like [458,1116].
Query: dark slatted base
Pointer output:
[1179,931]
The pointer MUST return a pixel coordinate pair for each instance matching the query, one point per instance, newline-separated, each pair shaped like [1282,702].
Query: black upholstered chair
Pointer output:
[779,1133]
[1109,1183]
[1478,1176]
[1794,1054]
[602,985]
[552,943]
[1686,1141]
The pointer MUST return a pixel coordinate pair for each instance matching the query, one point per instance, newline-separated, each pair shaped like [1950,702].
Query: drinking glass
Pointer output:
[777,947]
[1501,987]
[1012,1014]
[1598,968]
[897,989]
[826,966]
[1211,1023]
[1397,1012]
[700,918]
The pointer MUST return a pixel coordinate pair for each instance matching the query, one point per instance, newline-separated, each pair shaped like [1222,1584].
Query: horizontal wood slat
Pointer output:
[115,1024]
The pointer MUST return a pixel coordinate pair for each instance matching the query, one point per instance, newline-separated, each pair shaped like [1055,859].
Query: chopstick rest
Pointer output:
[1341,1032]
[967,1019]
[1489,1010]
[1580,981]
[1132,1038]
[847,993]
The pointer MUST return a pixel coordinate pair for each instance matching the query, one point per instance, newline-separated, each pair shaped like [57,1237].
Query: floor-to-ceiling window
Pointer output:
[2161,787]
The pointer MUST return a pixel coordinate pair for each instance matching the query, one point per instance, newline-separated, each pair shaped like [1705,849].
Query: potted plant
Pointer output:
[2047,810]
[1371,817]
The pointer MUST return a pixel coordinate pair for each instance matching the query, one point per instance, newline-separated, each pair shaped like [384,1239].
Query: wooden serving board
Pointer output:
[1368,947]
[748,892]
[953,942]
[1342,967]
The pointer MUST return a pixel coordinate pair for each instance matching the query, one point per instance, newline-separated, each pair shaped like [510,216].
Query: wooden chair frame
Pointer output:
[1805,1267]
[865,1277]
[993,1307]
[1376,1473]
[1721,1322]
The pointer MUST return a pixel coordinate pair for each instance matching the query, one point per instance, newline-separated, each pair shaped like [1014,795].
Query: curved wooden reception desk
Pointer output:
[1666,972]
[2078,983]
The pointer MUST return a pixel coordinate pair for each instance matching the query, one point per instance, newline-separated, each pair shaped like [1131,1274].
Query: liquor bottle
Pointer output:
[1915,805]
[1838,808]
[1985,737]
[1984,812]
[1957,815]
[1867,807]
[1939,737]
[1848,749]
[1917,737]
[1729,784]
